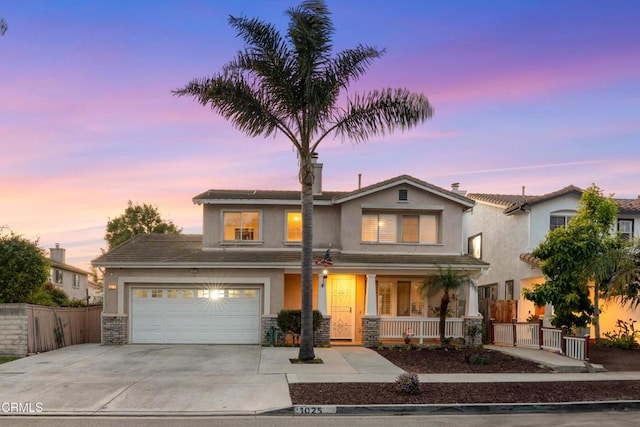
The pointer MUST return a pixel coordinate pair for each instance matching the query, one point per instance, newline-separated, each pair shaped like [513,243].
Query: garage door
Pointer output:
[195,316]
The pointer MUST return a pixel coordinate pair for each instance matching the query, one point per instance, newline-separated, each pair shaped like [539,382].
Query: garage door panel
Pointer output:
[232,318]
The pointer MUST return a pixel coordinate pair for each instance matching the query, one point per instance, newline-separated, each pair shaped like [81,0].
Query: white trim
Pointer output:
[402,207]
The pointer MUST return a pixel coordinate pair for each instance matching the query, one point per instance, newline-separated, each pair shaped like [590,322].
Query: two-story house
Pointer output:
[228,284]
[72,280]
[503,229]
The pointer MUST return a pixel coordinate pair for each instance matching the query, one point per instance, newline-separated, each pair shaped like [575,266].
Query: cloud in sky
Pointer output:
[535,93]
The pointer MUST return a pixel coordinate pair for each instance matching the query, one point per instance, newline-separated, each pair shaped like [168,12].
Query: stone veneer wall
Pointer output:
[114,329]
[321,336]
[13,330]
[370,331]
[270,323]
[473,325]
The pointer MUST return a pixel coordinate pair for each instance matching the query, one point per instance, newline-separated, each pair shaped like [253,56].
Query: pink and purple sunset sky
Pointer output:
[540,93]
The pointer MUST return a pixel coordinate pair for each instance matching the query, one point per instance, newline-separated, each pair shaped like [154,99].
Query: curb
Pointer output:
[457,409]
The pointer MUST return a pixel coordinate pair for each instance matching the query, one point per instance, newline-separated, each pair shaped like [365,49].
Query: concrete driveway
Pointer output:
[175,379]
[143,379]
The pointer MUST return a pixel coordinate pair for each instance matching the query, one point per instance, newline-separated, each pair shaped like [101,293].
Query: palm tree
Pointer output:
[446,281]
[616,273]
[292,84]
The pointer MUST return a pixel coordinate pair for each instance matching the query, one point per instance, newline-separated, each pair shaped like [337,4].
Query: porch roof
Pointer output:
[185,250]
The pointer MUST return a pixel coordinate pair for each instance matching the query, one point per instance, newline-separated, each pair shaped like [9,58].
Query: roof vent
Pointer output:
[403,195]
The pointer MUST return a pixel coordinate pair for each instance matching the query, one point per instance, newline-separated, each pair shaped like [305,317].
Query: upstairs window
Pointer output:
[390,228]
[475,246]
[56,276]
[241,226]
[76,281]
[625,228]
[557,221]
[294,227]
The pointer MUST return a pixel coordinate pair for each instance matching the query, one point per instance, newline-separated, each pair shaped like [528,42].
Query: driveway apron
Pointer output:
[144,379]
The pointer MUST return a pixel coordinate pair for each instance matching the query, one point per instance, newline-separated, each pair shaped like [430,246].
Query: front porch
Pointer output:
[369,309]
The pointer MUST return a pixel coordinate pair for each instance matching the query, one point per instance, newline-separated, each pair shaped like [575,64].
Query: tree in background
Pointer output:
[566,257]
[446,281]
[291,84]
[137,219]
[23,267]
[3,27]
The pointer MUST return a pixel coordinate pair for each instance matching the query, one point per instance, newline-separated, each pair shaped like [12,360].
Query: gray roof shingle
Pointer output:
[185,250]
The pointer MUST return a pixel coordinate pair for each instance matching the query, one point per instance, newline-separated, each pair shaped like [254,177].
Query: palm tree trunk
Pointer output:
[444,304]
[306,333]
[596,312]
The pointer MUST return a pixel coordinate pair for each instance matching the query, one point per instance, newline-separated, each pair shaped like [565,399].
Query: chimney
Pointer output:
[360,181]
[523,193]
[317,175]
[57,254]
[455,188]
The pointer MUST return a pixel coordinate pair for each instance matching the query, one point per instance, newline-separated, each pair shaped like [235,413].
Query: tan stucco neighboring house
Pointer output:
[228,284]
[72,280]
[503,229]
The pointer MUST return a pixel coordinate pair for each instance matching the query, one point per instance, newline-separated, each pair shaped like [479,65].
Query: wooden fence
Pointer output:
[49,328]
[534,335]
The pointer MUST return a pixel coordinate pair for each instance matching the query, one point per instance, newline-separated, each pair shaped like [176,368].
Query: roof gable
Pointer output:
[271,197]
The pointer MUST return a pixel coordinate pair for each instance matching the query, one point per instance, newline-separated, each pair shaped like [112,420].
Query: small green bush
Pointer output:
[408,383]
[478,359]
[624,337]
[291,320]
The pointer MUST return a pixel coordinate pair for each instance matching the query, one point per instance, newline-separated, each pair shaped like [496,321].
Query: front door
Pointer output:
[342,307]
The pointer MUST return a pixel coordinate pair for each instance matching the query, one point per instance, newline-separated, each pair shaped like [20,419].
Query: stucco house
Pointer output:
[374,247]
[503,229]
[72,280]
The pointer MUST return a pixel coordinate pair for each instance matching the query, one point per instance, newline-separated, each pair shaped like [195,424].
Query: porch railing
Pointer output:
[534,335]
[420,328]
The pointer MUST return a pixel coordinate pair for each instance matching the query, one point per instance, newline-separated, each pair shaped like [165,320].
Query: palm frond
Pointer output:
[379,112]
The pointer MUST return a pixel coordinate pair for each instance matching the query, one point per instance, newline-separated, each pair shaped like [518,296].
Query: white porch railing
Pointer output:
[420,328]
[552,339]
[533,335]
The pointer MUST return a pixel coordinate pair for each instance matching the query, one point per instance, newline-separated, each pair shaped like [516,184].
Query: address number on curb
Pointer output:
[314,410]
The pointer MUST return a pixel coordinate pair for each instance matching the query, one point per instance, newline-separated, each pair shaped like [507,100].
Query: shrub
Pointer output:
[291,320]
[408,383]
[624,337]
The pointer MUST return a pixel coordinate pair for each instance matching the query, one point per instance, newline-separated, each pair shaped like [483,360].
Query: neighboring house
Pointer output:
[72,280]
[504,229]
[228,284]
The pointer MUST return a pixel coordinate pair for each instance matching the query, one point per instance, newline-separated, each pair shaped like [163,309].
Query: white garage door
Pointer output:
[195,316]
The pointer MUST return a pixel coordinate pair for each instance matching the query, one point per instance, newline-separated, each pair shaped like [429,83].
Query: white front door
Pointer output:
[342,307]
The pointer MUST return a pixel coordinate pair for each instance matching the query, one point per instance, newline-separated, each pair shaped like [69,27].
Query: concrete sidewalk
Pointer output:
[91,379]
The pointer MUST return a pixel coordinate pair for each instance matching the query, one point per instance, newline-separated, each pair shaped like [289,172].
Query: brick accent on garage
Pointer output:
[114,329]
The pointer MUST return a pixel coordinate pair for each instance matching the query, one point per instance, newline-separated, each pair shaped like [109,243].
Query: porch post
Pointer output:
[471,310]
[370,304]
[322,293]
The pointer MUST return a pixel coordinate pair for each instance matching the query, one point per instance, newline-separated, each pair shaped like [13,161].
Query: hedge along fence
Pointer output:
[27,329]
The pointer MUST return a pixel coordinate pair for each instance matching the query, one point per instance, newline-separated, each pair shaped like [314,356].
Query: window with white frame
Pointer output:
[241,225]
[475,246]
[402,298]
[76,280]
[394,228]
[57,276]
[508,289]
[557,221]
[625,228]
[294,226]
